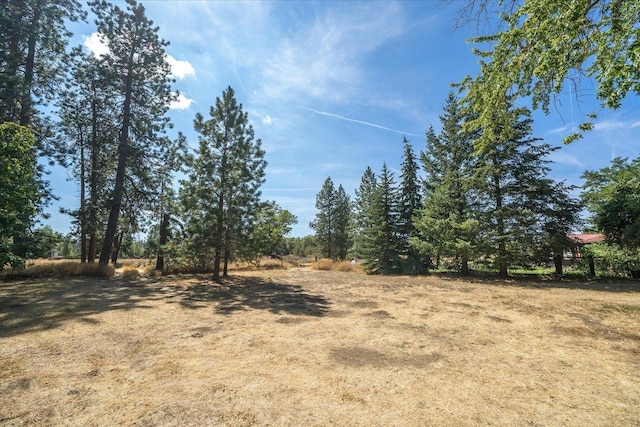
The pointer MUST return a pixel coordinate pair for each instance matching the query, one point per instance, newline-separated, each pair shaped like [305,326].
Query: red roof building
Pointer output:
[585,239]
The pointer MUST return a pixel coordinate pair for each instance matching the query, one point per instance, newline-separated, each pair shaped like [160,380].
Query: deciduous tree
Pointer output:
[540,45]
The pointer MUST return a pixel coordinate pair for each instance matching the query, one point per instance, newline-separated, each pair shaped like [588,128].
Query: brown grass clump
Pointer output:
[325,264]
[59,270]
[129,272]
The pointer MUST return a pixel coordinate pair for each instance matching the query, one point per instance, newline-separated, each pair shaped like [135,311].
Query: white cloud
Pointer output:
[266,120]
[325,60]
[613,124]
[564,158]
[95,45]
[180,69]
[182,103]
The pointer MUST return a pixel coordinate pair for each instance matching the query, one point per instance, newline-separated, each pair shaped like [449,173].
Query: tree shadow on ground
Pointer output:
[245,293]
[533,281]
[32,306]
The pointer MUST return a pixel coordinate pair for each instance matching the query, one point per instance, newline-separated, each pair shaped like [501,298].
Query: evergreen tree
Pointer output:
[32,53]
[410,202]
[514,193]
[381,240]
[342,235]
[361,207]
[140,78]
[325,222]
[220,199]
[88,139]
[447,225]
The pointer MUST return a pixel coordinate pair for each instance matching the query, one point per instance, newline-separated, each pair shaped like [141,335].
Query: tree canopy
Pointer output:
[541,45]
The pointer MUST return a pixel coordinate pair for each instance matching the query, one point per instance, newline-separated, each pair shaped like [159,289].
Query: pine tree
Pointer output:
[221,197]
[514,193]
[324,222]
[32,54]
[381,240]
[88,137]
[447,225]
[410,202]
[140,77]
[342,219]
[361,207]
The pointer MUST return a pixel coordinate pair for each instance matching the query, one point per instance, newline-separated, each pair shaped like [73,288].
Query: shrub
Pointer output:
[609,260]
[129,272]
[322,264]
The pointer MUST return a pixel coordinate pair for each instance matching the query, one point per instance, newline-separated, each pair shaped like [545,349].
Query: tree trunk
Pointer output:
[219,231]
[592,266]
[116,247]
[502,247]
[93,183]
[123,156]
[557,262]
[164,232]
[25,99]
[464,265]
[226,263]
[83,216]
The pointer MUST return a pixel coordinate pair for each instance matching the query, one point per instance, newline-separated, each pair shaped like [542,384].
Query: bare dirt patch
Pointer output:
[305,347]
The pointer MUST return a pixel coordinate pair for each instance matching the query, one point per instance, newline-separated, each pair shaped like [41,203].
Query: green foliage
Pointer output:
[332,221]
[381,244]
[139,79]
[21,191]
[221,195]
[360,208]
[540,45]
[447,225]
[272,224]
[32,53]
[410,202]
[609,260]
[301,246]
[612,195]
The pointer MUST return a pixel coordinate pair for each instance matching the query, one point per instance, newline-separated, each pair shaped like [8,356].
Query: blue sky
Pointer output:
[332,87]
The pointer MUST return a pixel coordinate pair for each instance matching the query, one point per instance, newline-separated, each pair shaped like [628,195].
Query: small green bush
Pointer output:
[609,260]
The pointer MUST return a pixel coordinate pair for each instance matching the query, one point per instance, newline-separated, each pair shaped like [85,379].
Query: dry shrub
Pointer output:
[271,264]
[344,266]
[59,269]
[129,272]
[322,264]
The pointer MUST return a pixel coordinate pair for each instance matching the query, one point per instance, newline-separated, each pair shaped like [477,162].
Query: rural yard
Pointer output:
[302,347]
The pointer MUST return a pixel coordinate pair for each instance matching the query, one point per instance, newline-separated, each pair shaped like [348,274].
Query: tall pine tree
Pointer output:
[361,206]
[516,198]
[381,234]
[221,197]
[447,225]
[137,71]
[410,202]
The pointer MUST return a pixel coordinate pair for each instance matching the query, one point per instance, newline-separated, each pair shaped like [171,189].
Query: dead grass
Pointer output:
[325,264]
[58,269]
[318,348]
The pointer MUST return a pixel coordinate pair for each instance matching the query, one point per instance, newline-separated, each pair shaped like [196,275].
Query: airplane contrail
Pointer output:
[362,122]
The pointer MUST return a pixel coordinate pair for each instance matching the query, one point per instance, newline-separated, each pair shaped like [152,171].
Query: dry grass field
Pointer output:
[302,347]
